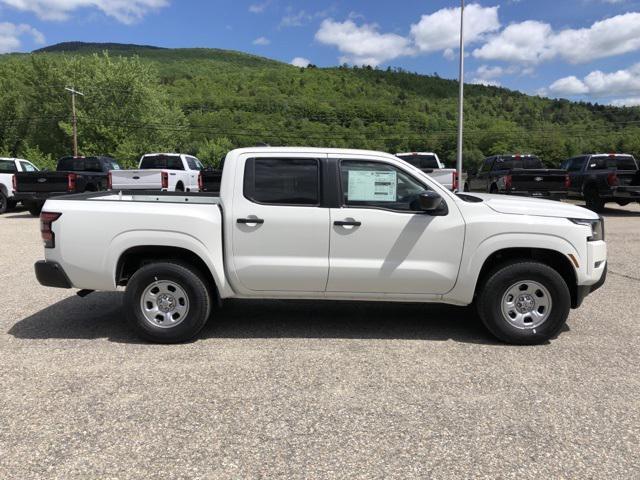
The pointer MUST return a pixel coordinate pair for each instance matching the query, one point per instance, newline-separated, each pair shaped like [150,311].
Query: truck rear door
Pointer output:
[280,231]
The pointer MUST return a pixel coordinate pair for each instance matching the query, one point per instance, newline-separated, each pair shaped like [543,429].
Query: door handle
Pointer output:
[347,223]
[250,221]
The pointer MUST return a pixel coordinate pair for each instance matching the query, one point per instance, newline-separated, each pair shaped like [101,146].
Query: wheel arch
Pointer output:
[552,258]
[134,258]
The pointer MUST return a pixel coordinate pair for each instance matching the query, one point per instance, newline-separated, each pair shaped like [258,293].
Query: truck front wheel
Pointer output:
[524,303]
[4,203]
[593,200]
[167,302]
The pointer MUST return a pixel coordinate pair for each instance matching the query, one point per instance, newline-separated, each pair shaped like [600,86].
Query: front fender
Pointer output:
[475,258]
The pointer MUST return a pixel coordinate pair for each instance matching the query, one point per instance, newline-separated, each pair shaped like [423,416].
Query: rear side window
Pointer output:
[7,166]
[275,181]
[162,162]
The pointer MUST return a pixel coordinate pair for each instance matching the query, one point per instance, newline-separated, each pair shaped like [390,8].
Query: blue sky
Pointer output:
[578,49]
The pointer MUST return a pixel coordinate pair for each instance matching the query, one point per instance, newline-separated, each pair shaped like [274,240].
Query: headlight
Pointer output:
[597,227]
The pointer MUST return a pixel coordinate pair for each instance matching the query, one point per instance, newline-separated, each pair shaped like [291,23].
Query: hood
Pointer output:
[534,206]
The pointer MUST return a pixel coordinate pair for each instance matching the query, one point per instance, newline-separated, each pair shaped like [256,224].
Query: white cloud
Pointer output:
[259,7]
[262,41]
[600,84]
[362,44]
[10,34]
[301,17]
[125,11]
[441,30]
[533,42]
[300,62]
[569,86]
[626,102]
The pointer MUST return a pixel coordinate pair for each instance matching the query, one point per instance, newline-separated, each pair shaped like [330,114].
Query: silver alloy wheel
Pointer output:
[526,305]
[164,304]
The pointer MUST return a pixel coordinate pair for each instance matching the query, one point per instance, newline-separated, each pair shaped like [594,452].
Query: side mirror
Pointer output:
[429,201]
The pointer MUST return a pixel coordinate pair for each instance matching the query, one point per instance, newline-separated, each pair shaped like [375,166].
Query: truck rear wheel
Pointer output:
[524,303]
[4,203]
[167,302]
[35,208]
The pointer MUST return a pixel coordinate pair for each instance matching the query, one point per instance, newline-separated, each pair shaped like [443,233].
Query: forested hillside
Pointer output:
[206,101]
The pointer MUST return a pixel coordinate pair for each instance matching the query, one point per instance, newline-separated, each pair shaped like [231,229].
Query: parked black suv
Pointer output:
[72,175]
[523,175]
[602,178]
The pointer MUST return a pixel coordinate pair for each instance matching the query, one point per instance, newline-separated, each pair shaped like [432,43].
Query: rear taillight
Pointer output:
[454,183]
[72,180]
[14,183]
[46,221]
[200,182]
[567,181]
[165,179]
[508,182]
[109,181]
[612,179]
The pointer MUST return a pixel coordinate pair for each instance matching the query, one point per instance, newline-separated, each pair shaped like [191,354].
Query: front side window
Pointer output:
[27,167]
[283,181]
[379,185]
[194,164]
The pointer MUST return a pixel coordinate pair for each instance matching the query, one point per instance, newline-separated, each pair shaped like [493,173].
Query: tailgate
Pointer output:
[136,179]
[41,182]
[442,176]
[628,178]
[543,180]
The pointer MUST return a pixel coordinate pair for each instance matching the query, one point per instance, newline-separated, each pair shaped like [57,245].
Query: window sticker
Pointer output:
[372,186]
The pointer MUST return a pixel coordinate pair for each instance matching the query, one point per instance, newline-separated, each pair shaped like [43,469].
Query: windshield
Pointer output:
[421,160]
[613,162]
[160,162]
[509,163]
[8,166]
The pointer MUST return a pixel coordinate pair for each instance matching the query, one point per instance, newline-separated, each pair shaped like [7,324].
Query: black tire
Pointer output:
[34,208]
[623,203]
[179,187]
[198,299]
[493,189]
[593,200]
[495,289]
[4,203]
[11,204]
[466,188]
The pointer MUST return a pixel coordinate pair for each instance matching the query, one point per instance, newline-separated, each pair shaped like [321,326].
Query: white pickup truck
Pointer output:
[167,172]
[8,168]
[325,224]
[430,164]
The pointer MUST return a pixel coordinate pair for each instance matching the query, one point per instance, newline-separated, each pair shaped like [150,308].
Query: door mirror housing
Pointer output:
[429,201]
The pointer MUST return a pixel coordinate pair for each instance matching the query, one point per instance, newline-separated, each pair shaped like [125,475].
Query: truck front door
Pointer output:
[381,242]
[280,232]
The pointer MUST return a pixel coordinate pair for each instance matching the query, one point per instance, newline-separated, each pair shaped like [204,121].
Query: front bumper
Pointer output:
[51,274]
[585,290]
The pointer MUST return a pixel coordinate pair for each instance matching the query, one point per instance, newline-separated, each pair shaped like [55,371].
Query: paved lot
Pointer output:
[315,390]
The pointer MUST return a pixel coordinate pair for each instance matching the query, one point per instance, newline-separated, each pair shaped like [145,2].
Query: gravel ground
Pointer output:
[315,390]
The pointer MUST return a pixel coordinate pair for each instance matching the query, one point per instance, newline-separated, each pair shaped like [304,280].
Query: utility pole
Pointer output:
[461,99]
[74,119]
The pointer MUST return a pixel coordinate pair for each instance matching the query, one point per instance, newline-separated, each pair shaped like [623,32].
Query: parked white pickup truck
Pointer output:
[430,164]
[322,224]
[8,168]
[167,172]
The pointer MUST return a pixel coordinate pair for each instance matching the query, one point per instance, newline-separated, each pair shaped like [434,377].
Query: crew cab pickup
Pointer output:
[523,175]
[167,172]
[325,224]
[602,178]
[72,175]
[430,164]
[8,168]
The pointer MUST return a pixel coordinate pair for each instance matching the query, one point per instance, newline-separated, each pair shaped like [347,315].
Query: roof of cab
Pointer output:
[310,150]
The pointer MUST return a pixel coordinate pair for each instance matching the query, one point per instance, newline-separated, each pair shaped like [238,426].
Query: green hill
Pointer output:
[205,101]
